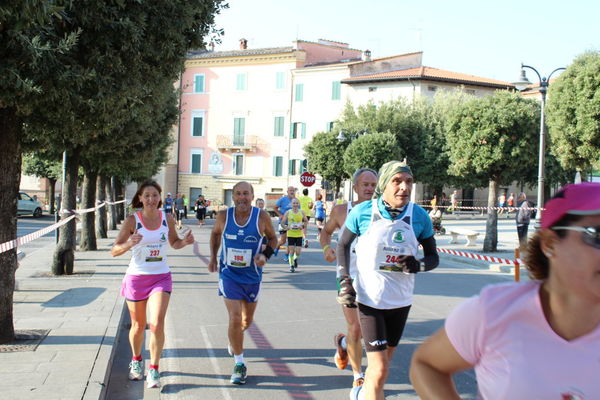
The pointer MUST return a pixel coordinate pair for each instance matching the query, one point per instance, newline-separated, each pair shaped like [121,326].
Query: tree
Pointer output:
[573,111]
[494,138]
[324,154]
[35,164]
[371,151]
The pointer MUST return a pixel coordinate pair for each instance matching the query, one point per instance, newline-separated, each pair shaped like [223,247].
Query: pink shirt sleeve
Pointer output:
[464,327]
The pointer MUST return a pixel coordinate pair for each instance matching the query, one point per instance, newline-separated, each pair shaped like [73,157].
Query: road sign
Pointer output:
[307,179]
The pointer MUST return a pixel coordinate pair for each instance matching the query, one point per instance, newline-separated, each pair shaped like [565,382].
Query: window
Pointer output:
[304,166]
[197,123]
[298,130]
[240,82]
[199,83]
[336,90]
[239,129]
[280,80]
[329,126]
[278,129]
[299,91]
[293,167]
[372,88]
[277,166]
[238,164]
[195,161]
[432,88]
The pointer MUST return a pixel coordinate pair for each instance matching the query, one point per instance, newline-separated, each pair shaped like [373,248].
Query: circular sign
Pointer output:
[307,179]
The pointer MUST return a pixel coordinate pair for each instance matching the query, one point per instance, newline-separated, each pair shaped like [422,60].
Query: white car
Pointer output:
[27,205]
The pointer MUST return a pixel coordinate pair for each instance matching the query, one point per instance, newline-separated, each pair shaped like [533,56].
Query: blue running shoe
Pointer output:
[239,374]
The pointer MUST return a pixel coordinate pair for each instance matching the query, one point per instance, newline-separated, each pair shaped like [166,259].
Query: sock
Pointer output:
[359,375]
[136,358]
[239,358]
[153,366]
[343,343]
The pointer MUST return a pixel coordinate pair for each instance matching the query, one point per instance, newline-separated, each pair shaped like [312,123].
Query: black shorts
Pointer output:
[294,241]
[201,213]
[320,219]
[382,328]
[179,213]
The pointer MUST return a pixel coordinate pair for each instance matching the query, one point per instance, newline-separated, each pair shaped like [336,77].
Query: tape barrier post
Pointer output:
[517,265]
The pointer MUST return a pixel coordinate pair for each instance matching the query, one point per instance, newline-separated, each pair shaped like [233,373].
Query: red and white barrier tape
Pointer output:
[37,234]
[484,208]
[481,257]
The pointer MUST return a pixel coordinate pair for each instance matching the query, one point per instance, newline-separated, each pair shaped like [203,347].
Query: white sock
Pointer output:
[239,358]
[359,375]
[343,343]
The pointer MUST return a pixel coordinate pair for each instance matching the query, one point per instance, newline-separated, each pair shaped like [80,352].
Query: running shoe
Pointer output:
[286,257]
[355,393]
[136,370]
[292,269]
[358,382]
[306,244]
[239,374]
[341,355]
[153,378]
[296,263]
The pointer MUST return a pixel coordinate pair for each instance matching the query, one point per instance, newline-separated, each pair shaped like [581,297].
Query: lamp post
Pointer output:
[521,84]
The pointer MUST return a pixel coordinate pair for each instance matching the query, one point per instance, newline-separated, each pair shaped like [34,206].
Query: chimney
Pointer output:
[367,55]
[243,44]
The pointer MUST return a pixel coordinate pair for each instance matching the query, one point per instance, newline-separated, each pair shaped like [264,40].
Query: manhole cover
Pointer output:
[25,340]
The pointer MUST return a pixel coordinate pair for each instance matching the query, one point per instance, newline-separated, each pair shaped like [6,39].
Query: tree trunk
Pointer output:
[112,208]
[64,254]
[88,200]
[119,196]
[490,243]
[101,213]
[52,186]
[10,165]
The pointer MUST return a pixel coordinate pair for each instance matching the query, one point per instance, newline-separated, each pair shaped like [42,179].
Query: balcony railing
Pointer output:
[237,142]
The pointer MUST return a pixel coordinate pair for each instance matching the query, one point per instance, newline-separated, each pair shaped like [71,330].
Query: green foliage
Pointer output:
[494,138]
[324,154]
[36,165]
[371,151]
[573,114]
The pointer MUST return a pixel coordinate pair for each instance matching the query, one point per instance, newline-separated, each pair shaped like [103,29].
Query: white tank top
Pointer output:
[379,283]
[353,270]
[150,254]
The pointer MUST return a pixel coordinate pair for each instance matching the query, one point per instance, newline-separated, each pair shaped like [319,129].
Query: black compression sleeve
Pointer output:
[431,257]
[343,250]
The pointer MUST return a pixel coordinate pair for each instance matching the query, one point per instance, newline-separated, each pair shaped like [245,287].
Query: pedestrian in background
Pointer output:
[530,340]
[178,207]
[147,283]
[523,217]
[238,233]
[200,207]
[186,203]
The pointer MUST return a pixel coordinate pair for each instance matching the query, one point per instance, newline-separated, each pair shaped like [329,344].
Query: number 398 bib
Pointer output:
[239,258]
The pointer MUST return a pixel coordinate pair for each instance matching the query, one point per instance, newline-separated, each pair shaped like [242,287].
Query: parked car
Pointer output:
[27,205]
[214,206]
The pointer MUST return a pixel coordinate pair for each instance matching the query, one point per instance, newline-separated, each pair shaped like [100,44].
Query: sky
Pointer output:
[485,38]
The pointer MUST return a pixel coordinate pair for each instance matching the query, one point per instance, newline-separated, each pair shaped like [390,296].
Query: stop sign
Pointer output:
[307,179]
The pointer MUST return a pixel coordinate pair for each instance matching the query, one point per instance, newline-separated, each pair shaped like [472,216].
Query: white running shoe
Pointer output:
[136,370]
[153,378]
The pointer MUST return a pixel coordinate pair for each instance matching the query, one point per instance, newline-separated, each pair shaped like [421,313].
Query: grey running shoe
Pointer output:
[239,374]
[136,370]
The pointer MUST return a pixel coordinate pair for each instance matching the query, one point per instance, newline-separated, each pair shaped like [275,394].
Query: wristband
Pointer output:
[325,248]
[268,252]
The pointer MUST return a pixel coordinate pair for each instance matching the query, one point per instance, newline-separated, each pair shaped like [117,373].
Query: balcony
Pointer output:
[237,143]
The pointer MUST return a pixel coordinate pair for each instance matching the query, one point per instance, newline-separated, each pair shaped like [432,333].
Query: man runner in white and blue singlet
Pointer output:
[239,232]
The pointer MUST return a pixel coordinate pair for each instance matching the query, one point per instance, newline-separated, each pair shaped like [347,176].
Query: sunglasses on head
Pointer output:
[590,234]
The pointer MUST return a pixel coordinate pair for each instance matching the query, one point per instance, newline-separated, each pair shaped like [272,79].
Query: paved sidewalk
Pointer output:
[83,314]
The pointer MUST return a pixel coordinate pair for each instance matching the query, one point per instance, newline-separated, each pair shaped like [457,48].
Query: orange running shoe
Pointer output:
[358,382]
[341,355]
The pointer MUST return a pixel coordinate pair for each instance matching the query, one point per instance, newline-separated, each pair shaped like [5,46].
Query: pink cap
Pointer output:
[577,199]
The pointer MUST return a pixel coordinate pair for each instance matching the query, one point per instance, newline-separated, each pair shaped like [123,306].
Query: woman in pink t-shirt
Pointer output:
[538,339]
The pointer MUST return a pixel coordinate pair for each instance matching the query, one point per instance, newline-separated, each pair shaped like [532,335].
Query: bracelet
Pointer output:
[325,248]
[268,252]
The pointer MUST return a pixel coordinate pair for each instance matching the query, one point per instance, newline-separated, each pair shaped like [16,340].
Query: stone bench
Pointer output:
[471,236]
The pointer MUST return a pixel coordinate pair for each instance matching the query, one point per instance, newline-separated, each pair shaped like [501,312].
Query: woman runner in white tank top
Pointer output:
[148,278]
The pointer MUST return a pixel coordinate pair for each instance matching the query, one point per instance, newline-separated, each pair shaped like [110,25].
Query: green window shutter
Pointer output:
[303,132]
[199,84]
[241,82]
[196,163]
[299,91]
[304,166]
[280,80]
[278,166]
[279,121]
[197,129]
[239,128]
[336,90]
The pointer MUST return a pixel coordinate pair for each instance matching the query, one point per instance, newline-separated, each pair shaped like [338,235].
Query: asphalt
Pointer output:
[84,312]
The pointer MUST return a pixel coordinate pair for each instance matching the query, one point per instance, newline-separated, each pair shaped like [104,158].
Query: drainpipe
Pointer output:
[413,94]
[179,130]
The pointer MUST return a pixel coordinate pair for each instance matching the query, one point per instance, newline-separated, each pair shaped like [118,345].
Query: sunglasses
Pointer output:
[590,234]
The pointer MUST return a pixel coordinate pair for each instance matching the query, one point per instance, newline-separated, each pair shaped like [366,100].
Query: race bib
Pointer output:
[296,225]
[239,258]
[153,253]
[389,257]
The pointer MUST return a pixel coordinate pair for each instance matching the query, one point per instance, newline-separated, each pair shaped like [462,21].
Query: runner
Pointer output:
[319,214]
[237,232]
[349,346]
[179,209]
[294,221]
[168,204]
[306,204]
[200,207]
[389,229]
[283,204]
[148,280]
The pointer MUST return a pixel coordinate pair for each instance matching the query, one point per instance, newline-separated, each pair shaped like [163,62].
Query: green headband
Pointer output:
[386,172]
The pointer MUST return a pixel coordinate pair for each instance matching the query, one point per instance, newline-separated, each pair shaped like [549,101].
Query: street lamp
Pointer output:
[521,84]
